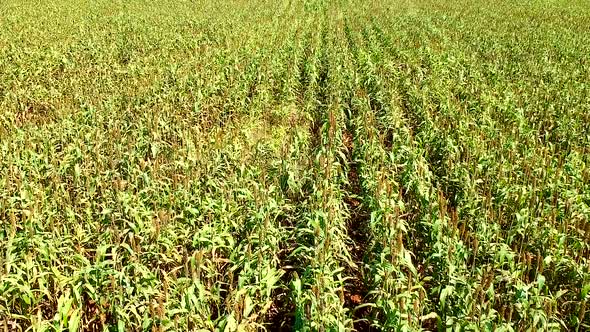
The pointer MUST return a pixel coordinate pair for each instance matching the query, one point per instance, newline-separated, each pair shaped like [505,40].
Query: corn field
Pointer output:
[294,165]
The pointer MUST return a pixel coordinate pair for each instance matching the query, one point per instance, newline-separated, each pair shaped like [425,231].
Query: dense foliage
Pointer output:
[314,165]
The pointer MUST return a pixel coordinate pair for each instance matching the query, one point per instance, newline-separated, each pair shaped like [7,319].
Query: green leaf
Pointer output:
[541,281]
[74,320]
[448,290]
[248,306]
